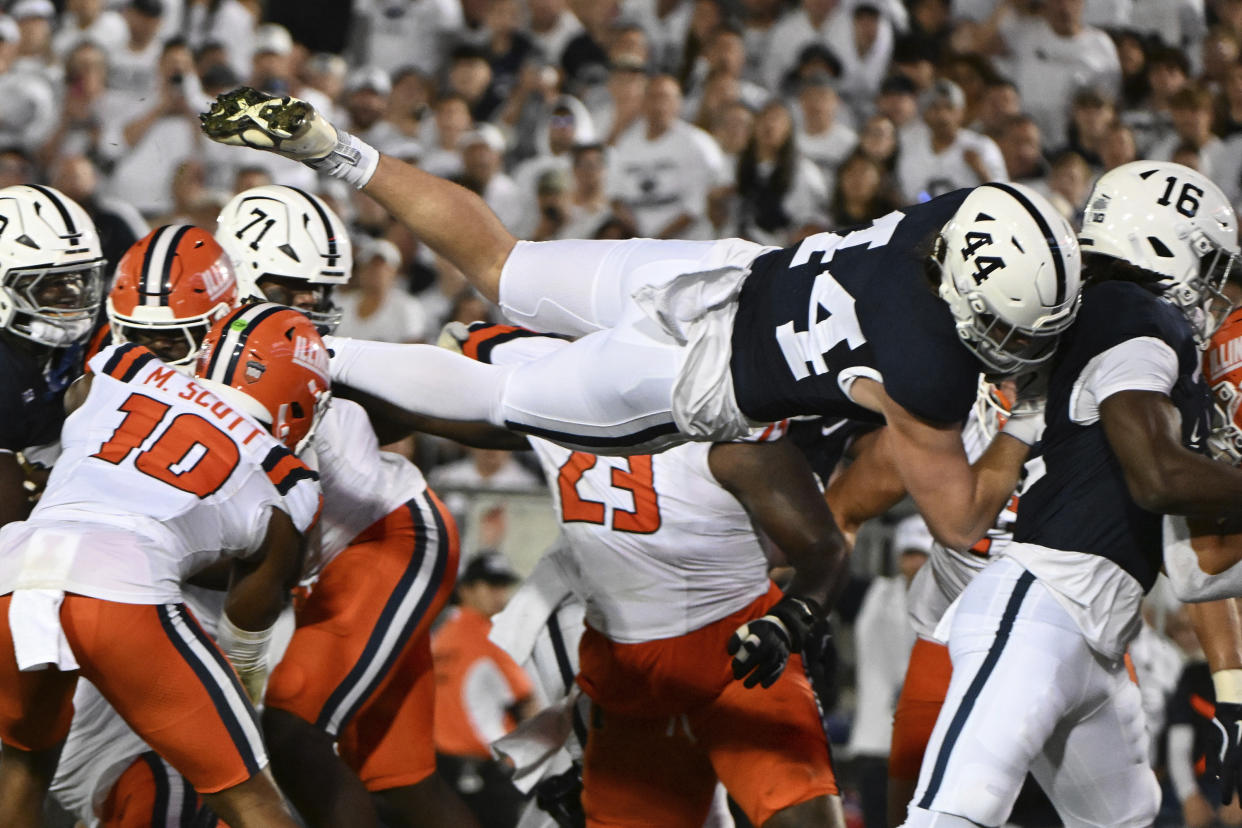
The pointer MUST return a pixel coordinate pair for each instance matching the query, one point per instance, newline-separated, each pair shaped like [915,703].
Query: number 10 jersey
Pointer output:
[158,478]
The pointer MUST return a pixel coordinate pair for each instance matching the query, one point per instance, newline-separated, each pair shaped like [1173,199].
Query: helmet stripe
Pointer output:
[157,251]
[232,345]
[170,255]
[1044,228]
[71,230]
[327,225]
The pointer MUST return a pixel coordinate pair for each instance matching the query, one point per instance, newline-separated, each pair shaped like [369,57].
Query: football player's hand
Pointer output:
[288,126]
[561,797]
[761,648]
[1225,756]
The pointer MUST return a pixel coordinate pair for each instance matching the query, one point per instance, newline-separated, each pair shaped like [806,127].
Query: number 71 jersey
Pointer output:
[182,477]
[814,317]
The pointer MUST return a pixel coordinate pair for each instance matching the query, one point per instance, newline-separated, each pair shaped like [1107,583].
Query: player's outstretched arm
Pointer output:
[1144,430]
[257,593]
[958,501]
[448,218]
[774,482]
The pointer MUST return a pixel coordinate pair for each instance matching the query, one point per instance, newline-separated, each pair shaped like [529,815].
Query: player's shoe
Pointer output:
[246,117]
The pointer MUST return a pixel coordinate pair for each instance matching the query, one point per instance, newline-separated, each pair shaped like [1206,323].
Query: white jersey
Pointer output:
[658,547]
[158,478]
[361,484]
[947,572]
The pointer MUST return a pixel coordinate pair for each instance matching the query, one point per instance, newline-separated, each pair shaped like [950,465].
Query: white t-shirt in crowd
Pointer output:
[662,179]
[409,32]
[1049,69]
[923,173]
[400,318]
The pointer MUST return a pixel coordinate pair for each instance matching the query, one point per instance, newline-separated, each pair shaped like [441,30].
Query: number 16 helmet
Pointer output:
[1010,273]
[1174,222]
[51,266]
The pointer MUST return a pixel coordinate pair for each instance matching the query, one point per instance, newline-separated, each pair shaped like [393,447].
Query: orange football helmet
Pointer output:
[274,356]
[1222,368]
[170,287]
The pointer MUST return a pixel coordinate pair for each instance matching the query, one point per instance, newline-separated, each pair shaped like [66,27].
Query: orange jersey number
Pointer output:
[638,479]
[190,454]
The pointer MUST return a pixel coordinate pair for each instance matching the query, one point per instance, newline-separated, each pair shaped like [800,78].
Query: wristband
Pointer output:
[246,649]
[1228,684]
[1026,428]
[352,159]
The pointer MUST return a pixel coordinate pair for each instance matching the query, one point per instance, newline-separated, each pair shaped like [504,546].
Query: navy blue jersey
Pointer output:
[1081,502]
[31,411]
[860,305]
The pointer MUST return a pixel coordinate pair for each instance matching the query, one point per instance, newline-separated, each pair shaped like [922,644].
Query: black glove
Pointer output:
[1224,759]
[761,648]
[561,797]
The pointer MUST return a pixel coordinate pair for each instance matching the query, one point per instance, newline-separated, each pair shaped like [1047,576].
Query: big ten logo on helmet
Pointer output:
[1096,212]
[312,355]
[217,280]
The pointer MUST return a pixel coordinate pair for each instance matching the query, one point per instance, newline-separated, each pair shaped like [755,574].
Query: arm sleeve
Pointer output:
[1144,363]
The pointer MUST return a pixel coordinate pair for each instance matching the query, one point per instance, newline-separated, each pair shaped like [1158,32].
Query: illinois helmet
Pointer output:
[1222,368]
[170,287]
[269,361]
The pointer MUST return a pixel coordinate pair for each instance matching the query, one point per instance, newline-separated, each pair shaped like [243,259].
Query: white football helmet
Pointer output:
[1173,221]
[287,237]
[51,266]
[1010,273]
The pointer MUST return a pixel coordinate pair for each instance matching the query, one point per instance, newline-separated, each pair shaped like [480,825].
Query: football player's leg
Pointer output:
[922,695]
[770,750]
[173,686]
[1095,769]
[1017,670]
[641,772]
[576,287]
[36,708]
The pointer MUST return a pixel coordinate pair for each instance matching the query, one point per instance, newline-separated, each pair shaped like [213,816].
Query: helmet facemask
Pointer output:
[53,306]
[285,290]
[1200,297]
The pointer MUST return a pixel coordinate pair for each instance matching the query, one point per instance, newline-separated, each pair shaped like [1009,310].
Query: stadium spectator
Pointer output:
[1168,72]
[1021,145]
[947,156]
[1191,109]
[567,125]
[395,34]
[588,201]
[34,21]
[442,137]
[663,168]
[230,23]
[481,692]
[27,99]
[16,167]
[271,65]
[366,102]
[861,194]
[1055,57]
[118,223]
[1090,115]
[132,67]
[878,141]
[585,57]
[89,20]
[865,49]
[551,25]
[377,307]
[724,56]
[1118,147]
[821,136]
[482,153]
[998,101]
[812,22]
[781,193]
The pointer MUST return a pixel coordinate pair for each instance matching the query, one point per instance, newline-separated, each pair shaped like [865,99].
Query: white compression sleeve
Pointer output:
[424,379]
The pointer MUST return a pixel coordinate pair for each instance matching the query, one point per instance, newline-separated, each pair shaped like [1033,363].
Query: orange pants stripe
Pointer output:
[359,663]
[151,794]
[157,667]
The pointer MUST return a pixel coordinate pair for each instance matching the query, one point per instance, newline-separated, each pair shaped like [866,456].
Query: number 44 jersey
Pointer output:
[158,478]
[814,317]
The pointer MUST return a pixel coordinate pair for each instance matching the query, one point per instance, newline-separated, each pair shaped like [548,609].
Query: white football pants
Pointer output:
[1029,694]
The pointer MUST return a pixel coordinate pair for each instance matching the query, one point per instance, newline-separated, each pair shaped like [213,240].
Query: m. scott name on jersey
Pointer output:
[219,409]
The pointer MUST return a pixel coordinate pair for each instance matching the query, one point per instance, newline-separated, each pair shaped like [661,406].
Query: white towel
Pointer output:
[536,747]
[38,640]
